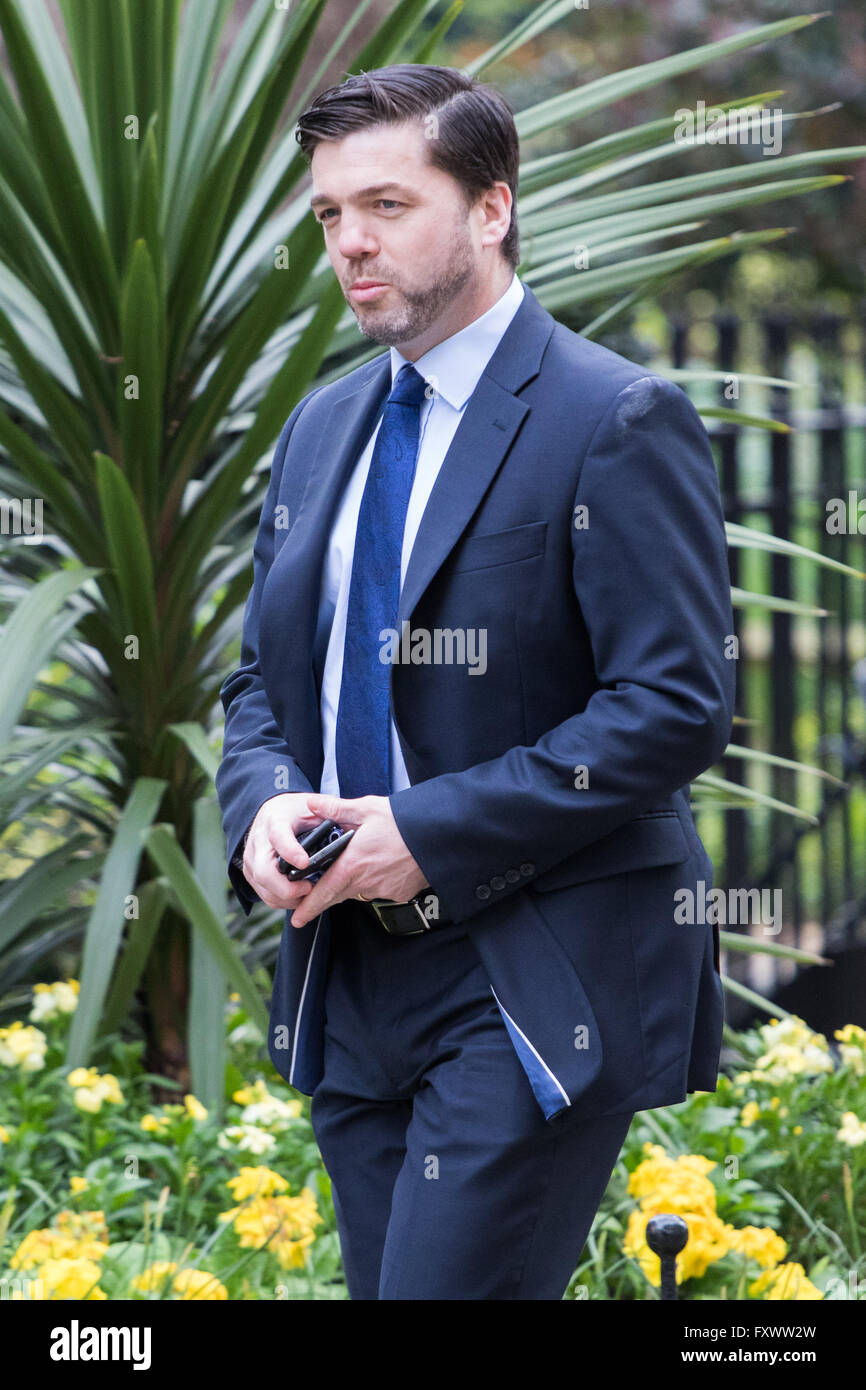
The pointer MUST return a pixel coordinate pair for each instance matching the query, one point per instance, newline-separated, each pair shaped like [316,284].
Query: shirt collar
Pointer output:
[455,365]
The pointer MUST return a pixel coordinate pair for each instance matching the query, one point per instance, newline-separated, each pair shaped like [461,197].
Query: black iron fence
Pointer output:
[801,680]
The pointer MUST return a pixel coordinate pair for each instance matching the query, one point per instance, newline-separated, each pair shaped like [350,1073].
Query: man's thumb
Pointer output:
[327,807]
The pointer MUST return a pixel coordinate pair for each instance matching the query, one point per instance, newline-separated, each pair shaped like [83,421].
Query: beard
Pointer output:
[419,308]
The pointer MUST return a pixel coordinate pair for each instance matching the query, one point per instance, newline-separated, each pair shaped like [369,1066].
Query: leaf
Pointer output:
[207,1003]
[193,736]
[169,858]
[767,1006]
[130,556]
[749,795]
[106,922]
[734,941]
[32,632]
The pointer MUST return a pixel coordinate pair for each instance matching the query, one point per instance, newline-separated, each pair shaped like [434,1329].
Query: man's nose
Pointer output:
[355,239]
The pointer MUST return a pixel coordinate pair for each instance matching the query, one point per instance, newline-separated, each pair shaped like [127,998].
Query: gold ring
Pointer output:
[362,899]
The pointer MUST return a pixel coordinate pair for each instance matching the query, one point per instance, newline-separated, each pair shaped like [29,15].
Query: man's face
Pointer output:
[397,224]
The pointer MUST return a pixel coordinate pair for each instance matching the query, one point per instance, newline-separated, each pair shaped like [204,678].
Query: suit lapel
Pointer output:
[486,431]
[488,426]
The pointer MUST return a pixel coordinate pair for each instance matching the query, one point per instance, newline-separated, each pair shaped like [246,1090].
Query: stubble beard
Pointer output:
[420,308]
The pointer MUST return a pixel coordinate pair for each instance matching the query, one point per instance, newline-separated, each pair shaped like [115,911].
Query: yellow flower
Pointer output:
[71,1279]
[761,1242]
[83,1076]
[50,1001]
[154,1276]
[247,1095]
[706,1243]
[87,1099]
[852,1047]
[195,1108]
[749,1113]
[680,1187]
[786,1282]
[74,1237]
[792,1049]
[22,1047]
[198,1284]
[4,1135]
[84,1224]
[77,1185]
[680,1183]
[288,1221]
[40,1245]
[798,1129]
[154,1124]
[91,1089]
[264,1109]
[256,1182]
[853,1131]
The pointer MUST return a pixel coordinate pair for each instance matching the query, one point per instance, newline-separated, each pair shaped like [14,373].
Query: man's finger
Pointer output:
[325,894]
[343,812]
[285,842]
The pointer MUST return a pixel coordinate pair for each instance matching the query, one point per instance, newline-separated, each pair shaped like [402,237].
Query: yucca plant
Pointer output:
[165,300]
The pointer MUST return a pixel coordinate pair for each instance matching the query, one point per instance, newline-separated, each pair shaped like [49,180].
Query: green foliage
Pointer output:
[776,1154]
[165,301]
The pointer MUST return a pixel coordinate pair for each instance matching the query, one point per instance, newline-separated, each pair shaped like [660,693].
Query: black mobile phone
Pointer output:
[324,843]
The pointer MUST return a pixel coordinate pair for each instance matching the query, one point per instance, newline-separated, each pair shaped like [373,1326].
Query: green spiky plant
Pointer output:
[165,300]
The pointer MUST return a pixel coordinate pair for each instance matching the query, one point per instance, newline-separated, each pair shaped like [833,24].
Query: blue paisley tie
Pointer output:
[363,733]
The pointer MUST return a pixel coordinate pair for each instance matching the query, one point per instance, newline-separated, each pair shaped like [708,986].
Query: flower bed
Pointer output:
[104,1196]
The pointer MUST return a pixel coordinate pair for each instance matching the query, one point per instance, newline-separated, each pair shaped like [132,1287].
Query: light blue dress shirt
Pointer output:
[453,368]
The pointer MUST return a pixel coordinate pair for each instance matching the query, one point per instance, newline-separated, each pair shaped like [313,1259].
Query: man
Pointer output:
[487,629]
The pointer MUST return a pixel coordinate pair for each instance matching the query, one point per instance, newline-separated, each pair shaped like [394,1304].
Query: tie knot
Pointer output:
[410,388]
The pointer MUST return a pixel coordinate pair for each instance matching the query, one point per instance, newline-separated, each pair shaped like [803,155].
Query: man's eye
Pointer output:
[392,201]
[324,215]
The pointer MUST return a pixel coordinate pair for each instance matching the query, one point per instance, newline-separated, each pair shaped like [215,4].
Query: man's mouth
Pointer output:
[367,289]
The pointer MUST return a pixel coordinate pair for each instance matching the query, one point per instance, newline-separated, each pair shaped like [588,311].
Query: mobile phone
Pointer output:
[324,843]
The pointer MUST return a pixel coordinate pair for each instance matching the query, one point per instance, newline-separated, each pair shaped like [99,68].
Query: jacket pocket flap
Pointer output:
[657,838]
[501,547]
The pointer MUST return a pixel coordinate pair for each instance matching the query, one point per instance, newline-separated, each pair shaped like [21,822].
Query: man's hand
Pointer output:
[273,833]
[376,862]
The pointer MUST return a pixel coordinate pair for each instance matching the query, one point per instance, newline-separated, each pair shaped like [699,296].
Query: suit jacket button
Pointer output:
[498,883]
[512,875]
[527,869]
[482,891]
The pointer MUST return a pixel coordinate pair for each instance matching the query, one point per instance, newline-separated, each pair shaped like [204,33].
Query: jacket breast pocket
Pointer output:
[500,547]
[657,837]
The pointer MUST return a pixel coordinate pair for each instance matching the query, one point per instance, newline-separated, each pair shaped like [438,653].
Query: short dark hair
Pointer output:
[477,142]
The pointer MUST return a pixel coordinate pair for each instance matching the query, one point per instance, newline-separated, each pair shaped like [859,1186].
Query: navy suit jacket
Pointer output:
[577,519]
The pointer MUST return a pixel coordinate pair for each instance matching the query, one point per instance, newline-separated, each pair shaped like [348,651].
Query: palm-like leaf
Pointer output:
[152,345]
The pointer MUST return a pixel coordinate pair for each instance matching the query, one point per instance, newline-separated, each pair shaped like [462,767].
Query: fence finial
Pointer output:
[666,1236]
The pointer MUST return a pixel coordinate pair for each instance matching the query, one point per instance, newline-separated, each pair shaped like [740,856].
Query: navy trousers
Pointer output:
[447,1180]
